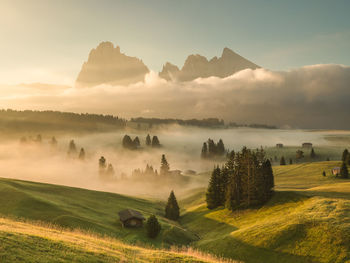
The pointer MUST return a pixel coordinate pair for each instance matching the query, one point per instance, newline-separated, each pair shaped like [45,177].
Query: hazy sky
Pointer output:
[47,41]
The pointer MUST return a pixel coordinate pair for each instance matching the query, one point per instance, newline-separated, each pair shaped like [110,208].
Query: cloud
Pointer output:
[314,96]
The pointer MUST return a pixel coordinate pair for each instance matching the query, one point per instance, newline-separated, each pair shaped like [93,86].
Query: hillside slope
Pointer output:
[27,242]
[85,209]
[309,224]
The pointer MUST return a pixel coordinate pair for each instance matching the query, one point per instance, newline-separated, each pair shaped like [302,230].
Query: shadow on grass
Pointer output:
[215,236]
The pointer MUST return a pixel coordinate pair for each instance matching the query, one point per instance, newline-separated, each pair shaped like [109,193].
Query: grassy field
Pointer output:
[85,209]
[28,242]
[307,220]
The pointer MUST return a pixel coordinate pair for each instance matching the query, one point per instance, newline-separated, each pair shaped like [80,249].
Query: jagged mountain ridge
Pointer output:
[197,66]
[107,65]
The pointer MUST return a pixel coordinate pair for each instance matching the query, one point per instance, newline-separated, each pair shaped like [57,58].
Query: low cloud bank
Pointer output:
[314,96]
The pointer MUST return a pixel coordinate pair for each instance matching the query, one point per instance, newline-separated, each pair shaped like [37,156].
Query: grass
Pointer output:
[307,220]
[32,242]
[85,209]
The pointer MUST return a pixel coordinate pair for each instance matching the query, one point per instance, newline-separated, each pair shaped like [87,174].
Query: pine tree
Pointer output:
[211,148]
[72,149]
[110,170]
[312,154]
[164,166]
[152,226]
[53,142]
[204,153]
[82,154]
[148,140]
[282,161]
[345,155]
[136,142]
[213,191]
[102,165]
[128,143]
[220,148]
[324,173]
[172,210]
[155,142]
[344,171]
[290,161]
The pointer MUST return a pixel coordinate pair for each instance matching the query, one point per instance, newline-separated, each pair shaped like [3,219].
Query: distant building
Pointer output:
[279,145]
[336,171]
[307,145]
[190,172]
[175,172]
[131,218]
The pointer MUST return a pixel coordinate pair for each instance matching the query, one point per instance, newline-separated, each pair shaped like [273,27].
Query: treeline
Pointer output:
[210,149]
[245,180]
[253,125]
[209,122]
[28,120]
[133,144]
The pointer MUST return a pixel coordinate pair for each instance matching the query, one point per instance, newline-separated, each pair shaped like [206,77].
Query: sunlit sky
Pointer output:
[47,41]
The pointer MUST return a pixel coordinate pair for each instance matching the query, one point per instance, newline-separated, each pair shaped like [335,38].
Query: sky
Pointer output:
[47,41]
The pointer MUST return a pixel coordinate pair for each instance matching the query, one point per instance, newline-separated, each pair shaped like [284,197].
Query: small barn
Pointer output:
[307,145]
[279,145]
[336,171]
[131,218]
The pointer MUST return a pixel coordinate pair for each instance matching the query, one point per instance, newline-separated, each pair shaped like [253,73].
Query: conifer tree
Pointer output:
[53,142]
[72,149]
[344,173]
[345,155]
[155,142]
[136,142]
[290,161]
[110,170]
[148,140]
[312,154]
[172,210]
[204,153]
[220,147]
[102,165]
[128,143]
[324,173]
[214,192]
[164,166]
[282,161]
[152,226]
[82,154]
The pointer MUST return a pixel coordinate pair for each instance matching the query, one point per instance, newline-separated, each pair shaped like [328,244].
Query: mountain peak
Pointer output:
[107,65]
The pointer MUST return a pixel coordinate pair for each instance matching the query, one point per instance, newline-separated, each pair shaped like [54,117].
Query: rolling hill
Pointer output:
[307,220]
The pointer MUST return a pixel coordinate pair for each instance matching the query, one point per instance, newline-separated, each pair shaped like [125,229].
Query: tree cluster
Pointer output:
[245,180]
[210,149]
[133,144]
[105,170]
[148,172]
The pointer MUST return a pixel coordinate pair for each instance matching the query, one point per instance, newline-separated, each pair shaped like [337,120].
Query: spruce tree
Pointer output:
[290,161]
[110,170]
[345,155]
[204,153]
[102,165]
[312,154]
[128,143]
[152,226]
[155,142]
[53,142]
[164,166]
[172,210]
[220,147]
[82,154]
[324,173]
[148,140]
[344,173]
[72,149]
[136,142]
[213,192]
[282,161]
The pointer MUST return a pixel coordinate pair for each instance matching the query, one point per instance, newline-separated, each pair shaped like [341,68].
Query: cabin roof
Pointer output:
[130,213]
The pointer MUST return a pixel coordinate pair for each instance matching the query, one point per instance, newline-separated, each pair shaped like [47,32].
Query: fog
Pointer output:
[181,145]
[308,97]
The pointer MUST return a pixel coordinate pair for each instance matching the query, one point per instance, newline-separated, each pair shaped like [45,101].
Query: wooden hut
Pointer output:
[131,218]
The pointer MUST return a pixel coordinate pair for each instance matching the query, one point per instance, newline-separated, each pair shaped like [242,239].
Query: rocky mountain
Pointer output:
[198,66]
[107,65]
